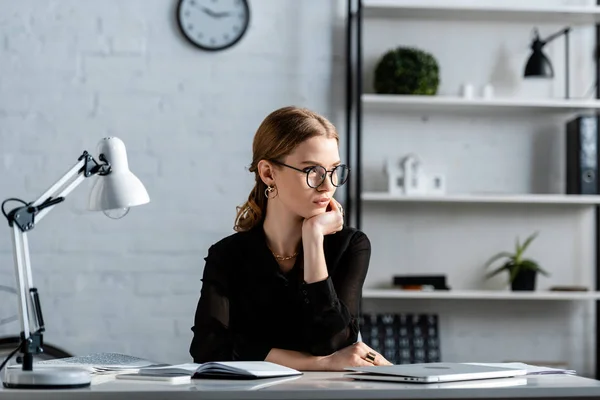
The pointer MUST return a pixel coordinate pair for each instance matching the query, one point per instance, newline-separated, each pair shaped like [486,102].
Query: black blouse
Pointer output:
[248,305]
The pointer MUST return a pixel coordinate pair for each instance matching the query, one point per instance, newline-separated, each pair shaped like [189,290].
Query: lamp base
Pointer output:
[47,378]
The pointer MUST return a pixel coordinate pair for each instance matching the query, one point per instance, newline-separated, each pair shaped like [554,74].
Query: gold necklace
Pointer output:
[284,258]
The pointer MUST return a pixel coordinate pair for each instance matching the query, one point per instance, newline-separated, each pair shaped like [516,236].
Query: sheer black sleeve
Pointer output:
[214,339]
[331,306]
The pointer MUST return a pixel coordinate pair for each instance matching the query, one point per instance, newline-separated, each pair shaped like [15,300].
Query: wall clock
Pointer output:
[213,24]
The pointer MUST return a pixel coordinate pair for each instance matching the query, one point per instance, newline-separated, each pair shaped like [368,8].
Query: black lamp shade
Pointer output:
[538,65]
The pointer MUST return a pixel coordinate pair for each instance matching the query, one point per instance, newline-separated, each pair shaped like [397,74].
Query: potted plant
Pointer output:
[407,71]
[522,271]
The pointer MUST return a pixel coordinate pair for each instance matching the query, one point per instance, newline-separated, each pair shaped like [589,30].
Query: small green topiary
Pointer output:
[407,70]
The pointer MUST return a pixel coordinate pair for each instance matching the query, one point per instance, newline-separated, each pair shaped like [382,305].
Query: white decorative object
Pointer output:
[467,91]
[413,182]
[395,177]
[488,91]
[436,184]
[406,177]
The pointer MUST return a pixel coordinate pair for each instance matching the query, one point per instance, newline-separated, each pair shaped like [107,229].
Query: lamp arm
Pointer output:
[21,220]
[550,38]
[541,43]
[85,167]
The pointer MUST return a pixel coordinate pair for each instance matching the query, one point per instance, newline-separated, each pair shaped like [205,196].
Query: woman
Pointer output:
[286,287]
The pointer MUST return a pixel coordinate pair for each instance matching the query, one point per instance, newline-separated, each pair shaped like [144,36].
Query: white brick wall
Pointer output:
[72,72]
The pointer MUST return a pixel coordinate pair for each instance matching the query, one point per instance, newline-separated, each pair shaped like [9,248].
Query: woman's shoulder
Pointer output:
[353,232]
[231,242]
[231,245]
[350,237]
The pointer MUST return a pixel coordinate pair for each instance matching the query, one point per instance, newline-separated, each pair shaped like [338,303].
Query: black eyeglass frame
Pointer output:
[308,170]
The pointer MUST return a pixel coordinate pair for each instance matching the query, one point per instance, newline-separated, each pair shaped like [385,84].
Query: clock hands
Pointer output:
[214,14]
[222,14]
[207,11]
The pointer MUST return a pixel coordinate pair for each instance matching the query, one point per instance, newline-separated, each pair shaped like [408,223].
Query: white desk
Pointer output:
[321,386]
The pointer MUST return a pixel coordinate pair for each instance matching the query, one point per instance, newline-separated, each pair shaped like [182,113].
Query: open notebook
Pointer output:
[226,370]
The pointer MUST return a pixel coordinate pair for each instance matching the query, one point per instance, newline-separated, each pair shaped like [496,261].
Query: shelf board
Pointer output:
[478,295]
[423,103]
[494,199]
[568,15]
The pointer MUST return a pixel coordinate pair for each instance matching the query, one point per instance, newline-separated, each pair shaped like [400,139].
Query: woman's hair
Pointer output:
[277,136]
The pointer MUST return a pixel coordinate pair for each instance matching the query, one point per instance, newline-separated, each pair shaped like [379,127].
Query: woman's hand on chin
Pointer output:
[325,223]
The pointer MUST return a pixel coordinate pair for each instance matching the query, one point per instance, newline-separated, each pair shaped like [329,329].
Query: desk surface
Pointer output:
[325,386]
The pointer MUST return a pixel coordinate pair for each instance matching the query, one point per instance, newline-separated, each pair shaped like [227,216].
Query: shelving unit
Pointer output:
[572,15]
[479,295]
[358,102]
[403,104]
[537,199]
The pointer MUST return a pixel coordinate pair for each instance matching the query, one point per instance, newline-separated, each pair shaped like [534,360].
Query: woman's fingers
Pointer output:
[361,362]
[340,208]
[335,206]
[380,360]
[367,353]
[377,358]
[365,363]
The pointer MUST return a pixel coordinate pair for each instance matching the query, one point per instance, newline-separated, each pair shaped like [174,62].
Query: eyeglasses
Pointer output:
[315,175]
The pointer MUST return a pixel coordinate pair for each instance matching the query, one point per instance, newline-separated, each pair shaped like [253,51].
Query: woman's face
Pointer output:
[292,188]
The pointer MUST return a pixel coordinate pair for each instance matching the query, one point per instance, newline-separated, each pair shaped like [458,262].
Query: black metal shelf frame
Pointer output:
[354,75]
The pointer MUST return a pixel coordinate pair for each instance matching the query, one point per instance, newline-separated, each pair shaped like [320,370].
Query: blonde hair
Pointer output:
[276,137]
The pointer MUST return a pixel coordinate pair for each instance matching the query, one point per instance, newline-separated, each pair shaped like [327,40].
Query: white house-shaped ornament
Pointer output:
[407,177]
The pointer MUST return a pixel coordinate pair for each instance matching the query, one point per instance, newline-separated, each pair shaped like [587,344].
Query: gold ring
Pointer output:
[370,357]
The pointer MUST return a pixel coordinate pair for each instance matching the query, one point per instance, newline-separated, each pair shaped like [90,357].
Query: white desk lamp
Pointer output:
[114,192]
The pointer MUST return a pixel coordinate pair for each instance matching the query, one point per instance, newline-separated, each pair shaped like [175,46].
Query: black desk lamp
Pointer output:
[539,65]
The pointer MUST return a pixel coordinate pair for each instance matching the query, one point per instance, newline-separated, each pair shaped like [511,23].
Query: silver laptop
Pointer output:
[432,372]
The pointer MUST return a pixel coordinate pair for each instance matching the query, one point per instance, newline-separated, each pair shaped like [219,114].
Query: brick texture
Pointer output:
[72,72]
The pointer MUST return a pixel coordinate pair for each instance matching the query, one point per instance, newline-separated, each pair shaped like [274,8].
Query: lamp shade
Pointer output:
[119,189]
[539,65]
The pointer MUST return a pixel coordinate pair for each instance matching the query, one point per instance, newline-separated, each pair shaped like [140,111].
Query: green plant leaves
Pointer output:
[520,249]
[527,243]
[407,70]
[515,262]
[498,270]
[503,254]
[530,264]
